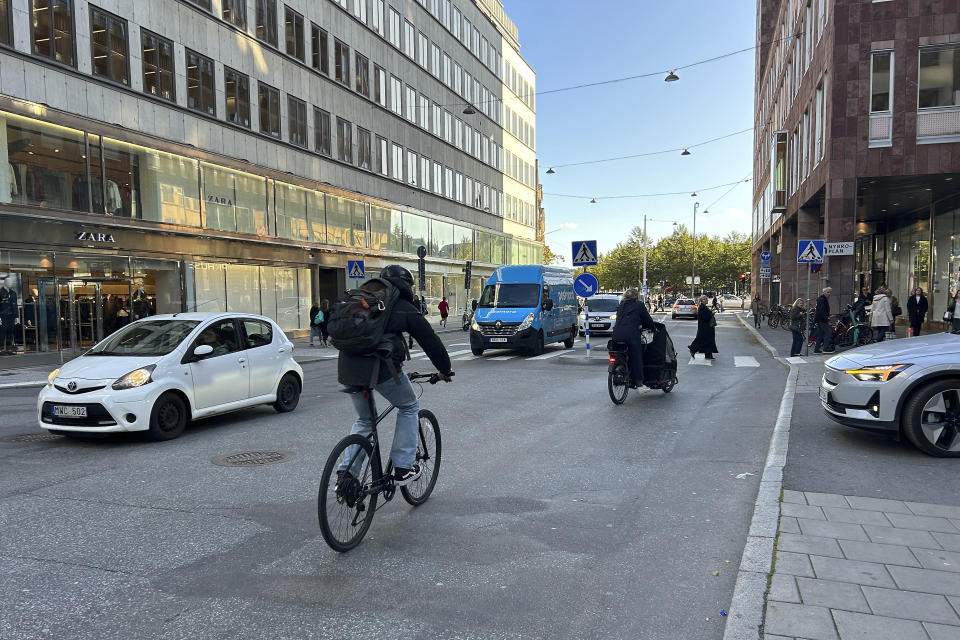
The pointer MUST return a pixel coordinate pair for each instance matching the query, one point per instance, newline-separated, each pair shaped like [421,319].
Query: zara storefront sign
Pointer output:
[94,236]
[220,200]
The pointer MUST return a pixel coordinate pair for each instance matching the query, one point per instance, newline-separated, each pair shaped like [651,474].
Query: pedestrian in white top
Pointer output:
[881,313]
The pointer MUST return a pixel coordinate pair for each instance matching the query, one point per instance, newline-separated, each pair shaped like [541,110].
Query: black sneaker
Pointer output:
[344,479]
[406,476]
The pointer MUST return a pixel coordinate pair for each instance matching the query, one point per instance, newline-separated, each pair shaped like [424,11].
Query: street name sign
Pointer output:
[584,253]
[585,285]
[838,248]
[355,269]
[810,252]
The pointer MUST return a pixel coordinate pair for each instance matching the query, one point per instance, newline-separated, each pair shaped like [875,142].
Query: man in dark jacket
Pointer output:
[822,318]
[632,318]
[917,310]
[356,372]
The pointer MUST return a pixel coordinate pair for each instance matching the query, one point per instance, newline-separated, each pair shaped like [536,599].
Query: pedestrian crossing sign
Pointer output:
[355,269]
[810,252]
[584,253]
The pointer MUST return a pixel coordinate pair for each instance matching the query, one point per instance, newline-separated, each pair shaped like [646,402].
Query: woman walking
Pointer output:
[797,322]
[706,340]
[954,310]
[881,314]
[316,317]
[325,310]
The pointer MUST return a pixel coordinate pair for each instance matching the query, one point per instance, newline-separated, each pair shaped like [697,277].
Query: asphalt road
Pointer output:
[556,514]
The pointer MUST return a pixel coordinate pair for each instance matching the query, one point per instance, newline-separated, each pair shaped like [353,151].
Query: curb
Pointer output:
[763,341]
[19,385]
[746,616]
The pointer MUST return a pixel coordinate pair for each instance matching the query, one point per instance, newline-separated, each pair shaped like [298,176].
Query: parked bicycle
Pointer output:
[777,315]
[346,512]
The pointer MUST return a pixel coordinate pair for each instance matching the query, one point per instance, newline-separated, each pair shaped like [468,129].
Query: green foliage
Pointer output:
[719,260]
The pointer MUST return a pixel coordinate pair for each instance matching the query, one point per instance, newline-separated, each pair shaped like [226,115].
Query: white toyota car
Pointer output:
[159,373]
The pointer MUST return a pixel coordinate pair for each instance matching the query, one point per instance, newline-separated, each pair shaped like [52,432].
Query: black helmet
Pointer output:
[395,271]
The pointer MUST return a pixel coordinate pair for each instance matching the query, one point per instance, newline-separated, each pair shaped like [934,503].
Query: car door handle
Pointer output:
[241,360]
[281,350]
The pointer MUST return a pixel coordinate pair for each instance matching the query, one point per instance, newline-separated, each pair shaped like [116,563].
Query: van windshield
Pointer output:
[513,296]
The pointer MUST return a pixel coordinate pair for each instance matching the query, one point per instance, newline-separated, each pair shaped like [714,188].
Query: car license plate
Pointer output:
[823,394]
[498,339]
[66,411]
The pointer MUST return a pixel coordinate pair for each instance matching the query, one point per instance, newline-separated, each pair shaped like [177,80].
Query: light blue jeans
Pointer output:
[404,449]
[315,330]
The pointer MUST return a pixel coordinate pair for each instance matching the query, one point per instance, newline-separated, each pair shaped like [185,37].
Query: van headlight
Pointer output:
[613,317]
[135,379]
[51,377]
[475,326]
[527,323]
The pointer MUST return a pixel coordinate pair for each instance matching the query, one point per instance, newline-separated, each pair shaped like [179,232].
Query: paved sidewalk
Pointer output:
[865,568]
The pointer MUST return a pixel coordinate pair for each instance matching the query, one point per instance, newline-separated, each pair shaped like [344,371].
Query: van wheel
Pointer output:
[538,346]
[168,418]
[568,343]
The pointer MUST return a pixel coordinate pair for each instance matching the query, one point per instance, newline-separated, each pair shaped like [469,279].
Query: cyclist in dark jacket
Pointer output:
[632,318]
[357,371]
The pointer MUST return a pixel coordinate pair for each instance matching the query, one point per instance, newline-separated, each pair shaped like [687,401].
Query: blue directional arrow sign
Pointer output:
[584,253]
[765,256]
[355,269]
[586,285]
[810,252]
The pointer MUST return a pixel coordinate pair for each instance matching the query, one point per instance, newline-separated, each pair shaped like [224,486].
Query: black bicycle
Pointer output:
[345,509]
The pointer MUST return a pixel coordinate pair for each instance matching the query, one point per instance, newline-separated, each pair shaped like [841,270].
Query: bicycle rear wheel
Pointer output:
[618,384]
[345,513]
[428,457]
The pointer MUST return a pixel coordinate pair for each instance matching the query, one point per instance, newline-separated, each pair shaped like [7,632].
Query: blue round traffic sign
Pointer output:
[765,256]
[585,285]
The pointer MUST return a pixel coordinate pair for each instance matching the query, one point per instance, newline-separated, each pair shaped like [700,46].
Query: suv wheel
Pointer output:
[931,419]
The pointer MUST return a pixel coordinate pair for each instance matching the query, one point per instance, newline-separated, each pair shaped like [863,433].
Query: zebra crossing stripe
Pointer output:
[462,358]
[745,361]
[701,361]
[552,354]
[795,360]
[503,358]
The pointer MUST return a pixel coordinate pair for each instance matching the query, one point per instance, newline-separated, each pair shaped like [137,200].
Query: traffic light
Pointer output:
[466,275]
[743,278]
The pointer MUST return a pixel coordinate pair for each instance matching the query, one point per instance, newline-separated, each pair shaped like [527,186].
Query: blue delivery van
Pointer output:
[525,307]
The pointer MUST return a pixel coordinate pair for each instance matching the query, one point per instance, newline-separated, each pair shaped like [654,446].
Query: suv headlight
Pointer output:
[527,323]
[50,378]
[880,373]
[134,379]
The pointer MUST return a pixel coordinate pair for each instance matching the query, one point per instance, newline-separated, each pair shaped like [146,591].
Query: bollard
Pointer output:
[909,332]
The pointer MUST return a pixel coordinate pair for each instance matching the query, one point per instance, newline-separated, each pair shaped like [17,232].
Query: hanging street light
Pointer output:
[550,171]
[469,111]
[671,77]
[686,152]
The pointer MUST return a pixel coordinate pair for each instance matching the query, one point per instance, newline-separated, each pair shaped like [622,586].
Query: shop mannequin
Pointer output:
[141,307]
[8,315]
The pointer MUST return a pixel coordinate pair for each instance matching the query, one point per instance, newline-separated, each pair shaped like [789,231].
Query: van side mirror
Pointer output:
[548,304]
[203,350]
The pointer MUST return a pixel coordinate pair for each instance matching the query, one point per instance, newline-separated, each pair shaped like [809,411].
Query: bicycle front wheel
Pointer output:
[428,457]
[345,512]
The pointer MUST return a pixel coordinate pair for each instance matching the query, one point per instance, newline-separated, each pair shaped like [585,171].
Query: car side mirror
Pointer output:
[548,304]
[203,350]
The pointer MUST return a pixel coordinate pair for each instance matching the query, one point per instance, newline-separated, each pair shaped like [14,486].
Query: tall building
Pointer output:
[858,141]
[234,155]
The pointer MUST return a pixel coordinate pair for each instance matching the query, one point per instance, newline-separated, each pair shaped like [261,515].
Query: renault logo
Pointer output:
[498,324]
[72,386]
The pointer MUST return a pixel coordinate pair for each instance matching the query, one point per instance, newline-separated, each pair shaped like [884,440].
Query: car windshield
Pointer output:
[603,304]
[147,338]
[516,296]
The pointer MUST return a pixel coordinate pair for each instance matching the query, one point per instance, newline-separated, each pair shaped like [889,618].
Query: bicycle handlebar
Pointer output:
[432,378]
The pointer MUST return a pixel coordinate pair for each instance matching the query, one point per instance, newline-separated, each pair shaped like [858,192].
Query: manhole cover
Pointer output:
[29,437]
[252,458]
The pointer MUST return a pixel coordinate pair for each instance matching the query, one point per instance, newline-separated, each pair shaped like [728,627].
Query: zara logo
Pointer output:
[220,200]
[93,236]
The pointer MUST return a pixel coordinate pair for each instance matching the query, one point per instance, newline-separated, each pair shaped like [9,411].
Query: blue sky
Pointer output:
[573,42]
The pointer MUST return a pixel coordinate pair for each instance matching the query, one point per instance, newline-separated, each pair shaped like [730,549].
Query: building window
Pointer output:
[200,83]
[446,70]
[394,28]
[53,30]
[364,159]
[318,39]
[422,45]
[382,160]
[881,81]
[363,76]
[939,77]
[410,100]
[435,60]
[297,121]
[409,38]
[108,41]
[411,167]
[344,140]
[235,12]
[203,4]
[269,110]
[157,53]
[6,33]
[341,60]
[457,23]
[293,27]
[267,21]
[425,173]
[378,16]
[437,177]
[236,86]
[423,106]
[321,126]
[395,95]
[397,162]
[360,10]
[380,86]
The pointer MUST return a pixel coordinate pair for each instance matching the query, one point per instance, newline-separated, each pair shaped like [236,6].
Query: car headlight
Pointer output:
[880,373]
[613,317]
[475,326]
[527,322]
[50,378]
[134,379]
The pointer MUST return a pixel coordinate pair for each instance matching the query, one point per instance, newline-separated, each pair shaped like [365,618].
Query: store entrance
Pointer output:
[89,309]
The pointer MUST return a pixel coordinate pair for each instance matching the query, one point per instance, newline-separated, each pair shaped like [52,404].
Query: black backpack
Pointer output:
[357,322]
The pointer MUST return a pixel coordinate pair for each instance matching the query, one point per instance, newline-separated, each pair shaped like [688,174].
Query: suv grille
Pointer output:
[505,330]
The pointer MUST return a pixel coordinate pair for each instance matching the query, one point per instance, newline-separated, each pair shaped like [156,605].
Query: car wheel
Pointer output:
[169,417]
[931,419]
[288,394]
[477,351]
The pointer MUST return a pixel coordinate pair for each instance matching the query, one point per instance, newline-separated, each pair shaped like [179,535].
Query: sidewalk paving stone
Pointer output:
[941,631]
[855,516]
[783,588]
[940,560]
[835,595]
[860,626]
[855,571]
[811,544]
[793,497]
[795,564]
[936,510]
[832,529]
[802,511]
[789,525]
[909,537]
[955,601]
[926,580]
[873,552]
[949,541]
[800,621]
[826,500]
[878,504]
[924,523]
[924,607]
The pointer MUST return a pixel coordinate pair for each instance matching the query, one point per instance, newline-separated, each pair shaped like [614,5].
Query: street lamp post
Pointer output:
[693,271]
[643,282]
